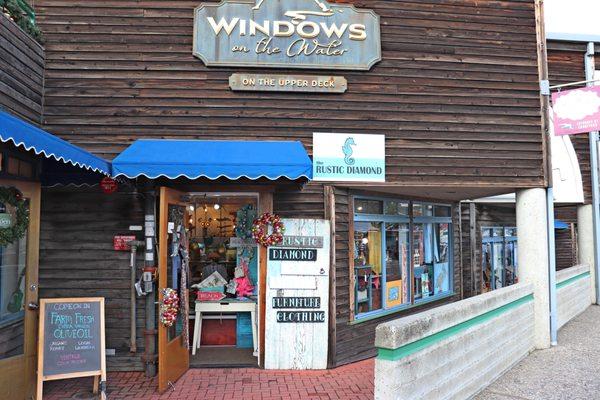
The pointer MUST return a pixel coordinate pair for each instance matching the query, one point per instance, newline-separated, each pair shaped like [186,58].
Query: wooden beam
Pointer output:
[351,254]
[329,202]
[265,204]
[472,245]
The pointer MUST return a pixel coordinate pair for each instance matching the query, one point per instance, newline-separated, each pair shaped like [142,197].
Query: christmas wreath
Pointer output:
[260,230]
[169,307]
[20,221]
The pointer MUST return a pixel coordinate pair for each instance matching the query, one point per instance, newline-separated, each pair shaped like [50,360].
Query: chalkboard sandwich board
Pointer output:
[71,341]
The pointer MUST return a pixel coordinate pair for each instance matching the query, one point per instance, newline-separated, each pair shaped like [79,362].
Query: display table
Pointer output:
[224,306]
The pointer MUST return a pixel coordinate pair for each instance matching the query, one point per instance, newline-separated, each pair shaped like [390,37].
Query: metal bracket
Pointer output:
[545,88]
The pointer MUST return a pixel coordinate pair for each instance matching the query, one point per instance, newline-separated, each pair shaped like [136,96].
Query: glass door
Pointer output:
[18,297]
[173,355]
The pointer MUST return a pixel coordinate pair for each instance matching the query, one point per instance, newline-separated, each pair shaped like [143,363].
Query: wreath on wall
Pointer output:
[20,220]
[260,230]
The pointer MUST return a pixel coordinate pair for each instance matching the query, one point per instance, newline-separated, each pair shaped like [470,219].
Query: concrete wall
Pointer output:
[574,292]
[454,351]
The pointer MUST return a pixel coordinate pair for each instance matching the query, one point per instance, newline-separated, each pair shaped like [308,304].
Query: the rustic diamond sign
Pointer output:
[286,34]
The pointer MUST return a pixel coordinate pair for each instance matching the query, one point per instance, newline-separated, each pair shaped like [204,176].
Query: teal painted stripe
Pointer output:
[411,348]
[572,279]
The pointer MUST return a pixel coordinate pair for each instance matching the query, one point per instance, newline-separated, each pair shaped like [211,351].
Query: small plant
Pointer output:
[22,14]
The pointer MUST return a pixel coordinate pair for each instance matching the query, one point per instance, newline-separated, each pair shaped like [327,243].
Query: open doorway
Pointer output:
[213,230]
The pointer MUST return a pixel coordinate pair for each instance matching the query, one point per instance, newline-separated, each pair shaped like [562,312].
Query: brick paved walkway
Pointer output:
[352,382]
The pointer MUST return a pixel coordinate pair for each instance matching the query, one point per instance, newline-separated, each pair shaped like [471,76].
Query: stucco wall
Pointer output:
[573,294]
[454,351]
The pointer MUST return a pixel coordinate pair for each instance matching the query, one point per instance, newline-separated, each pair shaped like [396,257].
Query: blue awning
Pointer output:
[560,225]
[213,159]
[30,137]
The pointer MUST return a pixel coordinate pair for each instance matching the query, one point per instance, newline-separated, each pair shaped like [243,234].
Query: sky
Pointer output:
[573,19]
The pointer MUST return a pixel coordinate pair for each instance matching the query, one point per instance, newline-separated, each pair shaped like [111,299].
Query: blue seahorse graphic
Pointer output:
[348,150]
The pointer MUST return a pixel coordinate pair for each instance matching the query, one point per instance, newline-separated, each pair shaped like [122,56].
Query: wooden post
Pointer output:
[329,200]
[473,244]
[265,204]
[351,255]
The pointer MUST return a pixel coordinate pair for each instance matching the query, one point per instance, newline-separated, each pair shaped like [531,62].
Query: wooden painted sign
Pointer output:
[308,255]
[288,83]
[71,341]
[299,317]
[296,334]
[286,34]
[296,302]
[301,241]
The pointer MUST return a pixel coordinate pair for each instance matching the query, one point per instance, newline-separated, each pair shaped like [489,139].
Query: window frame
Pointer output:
[504,239]
[410,220]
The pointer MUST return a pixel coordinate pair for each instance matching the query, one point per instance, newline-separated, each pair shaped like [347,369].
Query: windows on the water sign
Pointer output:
[286,34]
[348,157]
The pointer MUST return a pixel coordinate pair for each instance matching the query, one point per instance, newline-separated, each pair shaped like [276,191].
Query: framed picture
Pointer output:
[393,296]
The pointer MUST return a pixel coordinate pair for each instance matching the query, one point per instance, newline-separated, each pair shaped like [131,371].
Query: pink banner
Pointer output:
[576,111]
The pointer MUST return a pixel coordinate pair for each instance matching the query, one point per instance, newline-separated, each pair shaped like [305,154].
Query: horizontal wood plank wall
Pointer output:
[486,216]
[21,72]
[307,202]
[77,259]
[566,239]
[456,93]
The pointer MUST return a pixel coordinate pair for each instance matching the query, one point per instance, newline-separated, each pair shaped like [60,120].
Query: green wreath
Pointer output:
[13,197]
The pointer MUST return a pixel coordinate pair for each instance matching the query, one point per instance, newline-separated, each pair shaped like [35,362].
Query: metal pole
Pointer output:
[552,266]
[593,139]
[134,244]
[149,265]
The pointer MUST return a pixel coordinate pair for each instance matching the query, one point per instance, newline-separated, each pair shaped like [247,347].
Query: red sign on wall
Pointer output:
[576,111]
[108,185]
[120,242]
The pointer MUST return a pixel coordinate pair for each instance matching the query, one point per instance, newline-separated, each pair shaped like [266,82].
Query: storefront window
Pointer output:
[366,206]
[12,297]
[367,266]
[499,257]
[416,260]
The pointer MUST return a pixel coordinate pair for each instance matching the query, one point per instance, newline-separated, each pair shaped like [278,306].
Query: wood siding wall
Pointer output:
[456,93]
[566,239]
[77,259]
[21,72]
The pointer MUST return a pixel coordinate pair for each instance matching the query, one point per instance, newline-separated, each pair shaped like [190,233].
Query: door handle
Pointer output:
[33,306]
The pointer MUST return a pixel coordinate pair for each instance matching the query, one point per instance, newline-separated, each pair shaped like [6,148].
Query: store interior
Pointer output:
[221,259]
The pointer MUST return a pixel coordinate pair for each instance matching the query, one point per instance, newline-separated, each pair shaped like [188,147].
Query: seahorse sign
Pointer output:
[348,159]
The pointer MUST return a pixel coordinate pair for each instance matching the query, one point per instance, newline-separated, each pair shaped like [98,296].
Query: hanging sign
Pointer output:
[6,220]
[288,83]
[286,34]
[576,111]
[108,185]
[348,157]
[71,341]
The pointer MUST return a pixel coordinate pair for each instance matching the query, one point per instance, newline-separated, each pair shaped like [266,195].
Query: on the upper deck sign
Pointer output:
[286,34]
